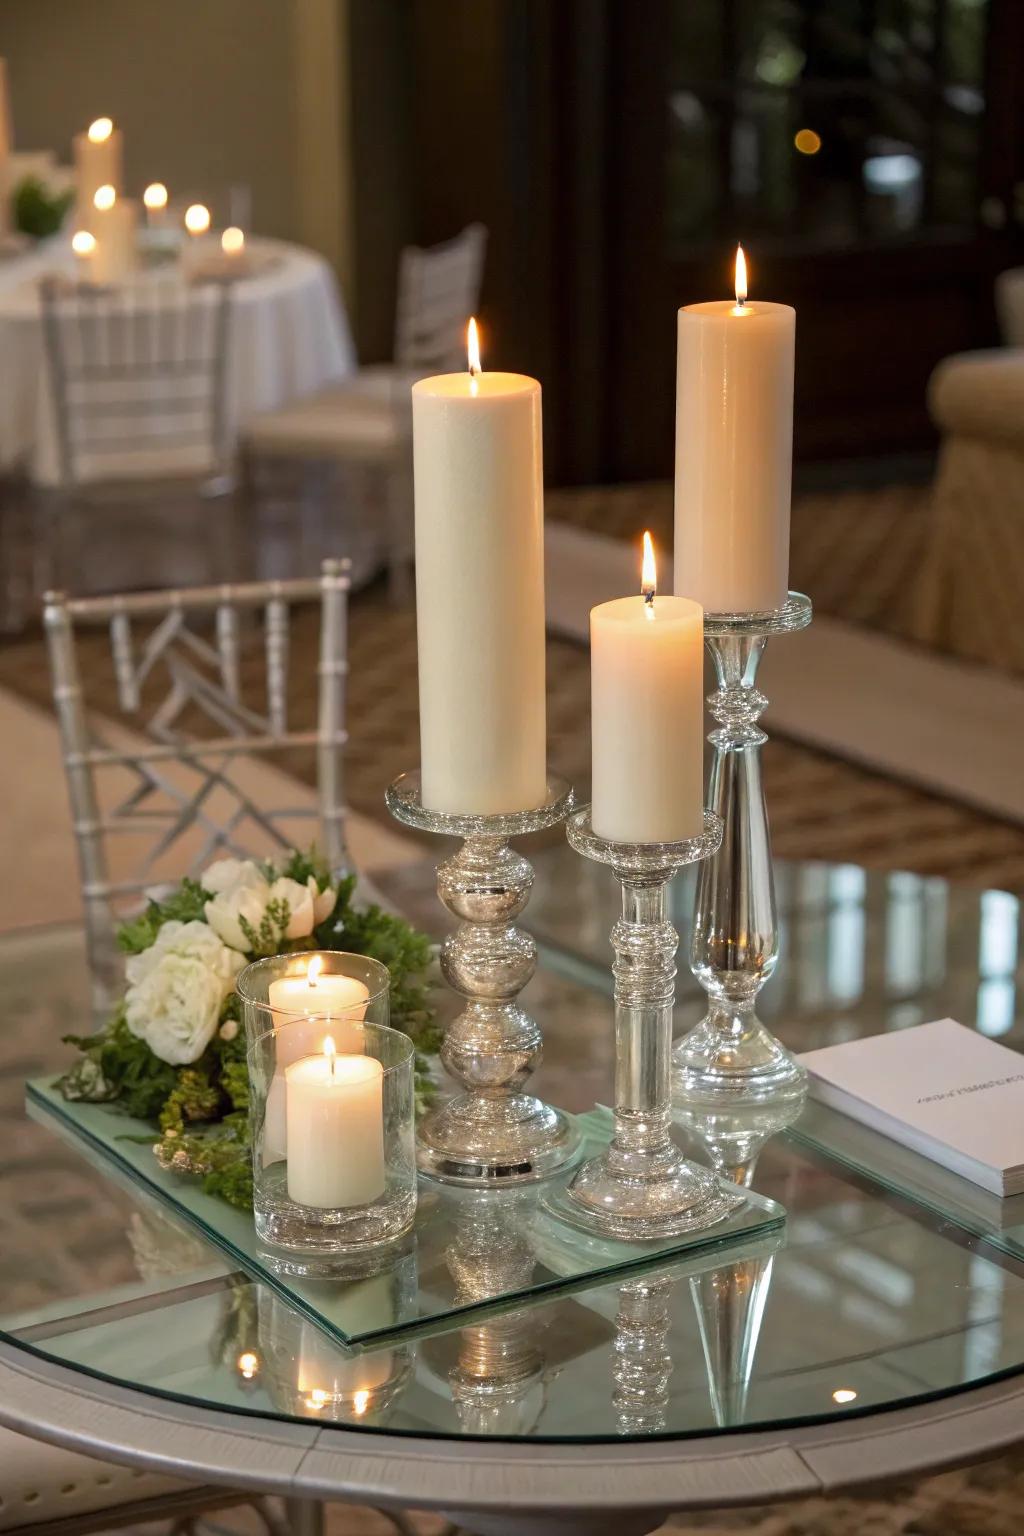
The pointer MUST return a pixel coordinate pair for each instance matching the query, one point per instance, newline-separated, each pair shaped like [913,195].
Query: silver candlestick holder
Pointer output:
[491,1132]
[642,1186]
[730,1056]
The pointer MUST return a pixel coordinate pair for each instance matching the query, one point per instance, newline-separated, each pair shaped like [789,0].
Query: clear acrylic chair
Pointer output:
[166,780]
[138,379]
[361,430]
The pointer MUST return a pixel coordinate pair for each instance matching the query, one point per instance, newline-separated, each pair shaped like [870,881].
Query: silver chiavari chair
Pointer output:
[359,433]
[138,383]
[177,659]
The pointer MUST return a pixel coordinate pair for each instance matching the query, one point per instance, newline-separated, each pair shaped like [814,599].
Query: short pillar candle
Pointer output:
[335,1129]
[647,715]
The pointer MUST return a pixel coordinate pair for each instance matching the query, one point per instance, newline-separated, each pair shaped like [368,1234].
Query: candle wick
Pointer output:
[649,599]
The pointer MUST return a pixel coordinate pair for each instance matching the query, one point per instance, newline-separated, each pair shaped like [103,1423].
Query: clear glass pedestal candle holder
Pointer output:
[331,1106]
[642,1186]
[730,1058]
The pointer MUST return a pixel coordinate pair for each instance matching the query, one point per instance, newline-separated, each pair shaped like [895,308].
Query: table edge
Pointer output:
[58,1404]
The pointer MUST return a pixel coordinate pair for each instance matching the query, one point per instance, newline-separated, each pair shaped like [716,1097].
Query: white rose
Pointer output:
[193,941]
[247,898]
[176,990]
[226,874]
[300,906]
[324,901]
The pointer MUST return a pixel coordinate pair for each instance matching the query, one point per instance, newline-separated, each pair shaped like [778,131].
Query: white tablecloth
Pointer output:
[290,336]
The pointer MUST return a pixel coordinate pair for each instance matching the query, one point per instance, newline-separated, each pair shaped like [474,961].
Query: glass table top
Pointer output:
[866,1299]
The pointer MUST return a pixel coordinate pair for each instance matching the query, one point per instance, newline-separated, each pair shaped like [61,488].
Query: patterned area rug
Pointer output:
[855,553]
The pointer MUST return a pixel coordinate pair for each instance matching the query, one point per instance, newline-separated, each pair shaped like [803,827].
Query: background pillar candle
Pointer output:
[99,154]
[480,592]
[734,451]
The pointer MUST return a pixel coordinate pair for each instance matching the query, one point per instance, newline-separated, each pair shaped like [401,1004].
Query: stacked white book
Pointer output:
[940,1089]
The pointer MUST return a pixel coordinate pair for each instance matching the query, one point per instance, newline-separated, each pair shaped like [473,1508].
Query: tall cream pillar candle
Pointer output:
[647,716]
[480,591]
[734,450]
[99,154]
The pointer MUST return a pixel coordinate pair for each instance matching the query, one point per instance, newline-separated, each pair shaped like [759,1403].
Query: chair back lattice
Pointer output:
[138,378]
[438,290]
[177,663]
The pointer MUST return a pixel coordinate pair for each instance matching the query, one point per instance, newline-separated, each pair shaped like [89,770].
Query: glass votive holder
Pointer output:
[331,1104]
[308,1375]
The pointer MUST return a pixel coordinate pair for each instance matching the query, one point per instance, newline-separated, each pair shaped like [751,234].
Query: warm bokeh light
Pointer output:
[82,243]
[197,219]
[317,1399]
[473,348]
[360,1402]
[155,196]
[741,278]
[313,970]
[232,241]
[844,1395]
[649,571]
[806,141]
[100,130]
[104,197]
[248,1364]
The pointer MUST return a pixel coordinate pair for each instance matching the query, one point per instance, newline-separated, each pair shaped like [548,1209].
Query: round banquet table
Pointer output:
[880,1337]
[290,336]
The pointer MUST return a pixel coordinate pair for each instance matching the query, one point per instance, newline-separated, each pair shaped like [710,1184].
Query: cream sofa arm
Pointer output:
[980,395]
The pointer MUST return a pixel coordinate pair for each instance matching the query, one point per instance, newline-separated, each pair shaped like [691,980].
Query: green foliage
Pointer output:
[37,212]
[187,904]
[201,1110]
[118,1066]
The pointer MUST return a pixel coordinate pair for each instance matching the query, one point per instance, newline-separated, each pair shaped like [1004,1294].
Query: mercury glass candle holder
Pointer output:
[331,1115]
[642,1186]
[492,1131]
[730,1056]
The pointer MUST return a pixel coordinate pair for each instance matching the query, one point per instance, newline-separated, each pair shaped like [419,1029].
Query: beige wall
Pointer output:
[209,93]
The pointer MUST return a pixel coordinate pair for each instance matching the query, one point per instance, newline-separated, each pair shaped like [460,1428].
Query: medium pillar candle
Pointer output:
[480,592]
[647,717]
[734,451]
[113,224]
[335,1130]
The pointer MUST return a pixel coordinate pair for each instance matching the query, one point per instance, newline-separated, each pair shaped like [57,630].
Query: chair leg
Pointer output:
[305,1517]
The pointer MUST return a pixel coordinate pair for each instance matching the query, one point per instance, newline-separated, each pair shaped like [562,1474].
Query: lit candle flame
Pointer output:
[360,1402]
[317,1399]
[330,1051]
[83,243]
[649,574]
[473,349]
[105,197]
[741,279]
[316,965]
[155,196]
[197,219]
[100,130]
[232,241]
[248,1364]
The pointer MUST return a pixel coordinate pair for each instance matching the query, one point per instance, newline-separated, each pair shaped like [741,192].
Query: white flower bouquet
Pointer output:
[173,1052]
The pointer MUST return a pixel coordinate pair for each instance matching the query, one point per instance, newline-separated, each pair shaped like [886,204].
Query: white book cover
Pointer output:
[943,1090]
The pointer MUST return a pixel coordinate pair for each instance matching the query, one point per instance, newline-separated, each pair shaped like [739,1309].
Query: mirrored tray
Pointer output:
[468,1249]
